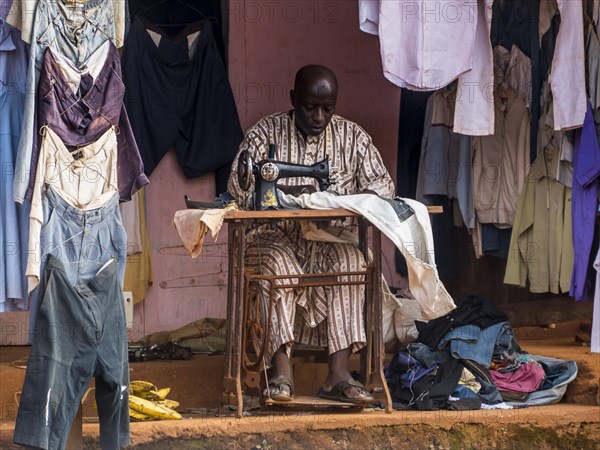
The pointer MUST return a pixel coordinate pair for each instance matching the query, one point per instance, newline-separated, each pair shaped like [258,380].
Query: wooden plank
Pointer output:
[437,209]
[291,214]
[305,214]
[304,402]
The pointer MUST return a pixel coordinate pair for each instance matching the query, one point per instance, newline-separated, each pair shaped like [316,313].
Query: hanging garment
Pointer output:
[74,29]
[179,13]
[541,250]
[426,45]
[83,240]
[567,74]
[4,9]
[592,52]
[586,169]
[491,240]
[22,16]
[86,180]
[595,338]
[368,16]
[14,221]
[138,269]
[191,106]
[130,215]
[474,112]
[501,161]
[446,165]
[512,68]
[564,141]
[80,333]
[80,105]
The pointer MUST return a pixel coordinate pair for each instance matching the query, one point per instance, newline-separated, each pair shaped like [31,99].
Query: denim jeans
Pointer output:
[80,333]
[82,240]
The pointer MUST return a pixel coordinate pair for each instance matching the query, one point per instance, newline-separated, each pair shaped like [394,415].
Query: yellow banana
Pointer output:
[172,404]
[162,393]
[148,395]
[152,409]
[138,416]
[141,386]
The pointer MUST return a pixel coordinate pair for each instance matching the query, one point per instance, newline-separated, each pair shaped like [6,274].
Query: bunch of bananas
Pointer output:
[147,402]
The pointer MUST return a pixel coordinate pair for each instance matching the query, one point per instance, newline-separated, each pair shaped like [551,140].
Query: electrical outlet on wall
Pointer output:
[128,299]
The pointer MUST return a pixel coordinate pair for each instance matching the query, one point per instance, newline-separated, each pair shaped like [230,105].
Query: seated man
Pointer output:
[329,316]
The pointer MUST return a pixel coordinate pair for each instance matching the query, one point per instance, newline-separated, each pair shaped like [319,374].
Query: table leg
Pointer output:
[239,318]
[232,386]
[378,376]
[366,354]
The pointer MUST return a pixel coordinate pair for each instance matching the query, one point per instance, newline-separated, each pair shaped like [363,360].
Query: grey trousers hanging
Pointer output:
[80,333]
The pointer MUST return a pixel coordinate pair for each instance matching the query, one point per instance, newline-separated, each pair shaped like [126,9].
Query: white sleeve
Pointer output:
[368,16]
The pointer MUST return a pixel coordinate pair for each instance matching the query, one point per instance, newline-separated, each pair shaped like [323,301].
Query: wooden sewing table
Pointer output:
[238,367]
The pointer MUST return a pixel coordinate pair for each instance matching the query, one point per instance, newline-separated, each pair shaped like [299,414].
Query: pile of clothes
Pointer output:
[469,359]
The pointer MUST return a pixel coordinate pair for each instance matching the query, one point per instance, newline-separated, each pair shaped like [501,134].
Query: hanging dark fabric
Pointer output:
[178,95]
[410,133]
[184,12]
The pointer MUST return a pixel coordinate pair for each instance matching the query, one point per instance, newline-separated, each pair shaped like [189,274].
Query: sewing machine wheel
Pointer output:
[256,331]
[245,170]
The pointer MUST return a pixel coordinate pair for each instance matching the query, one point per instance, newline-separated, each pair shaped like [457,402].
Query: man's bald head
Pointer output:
[309,76]
[314,98]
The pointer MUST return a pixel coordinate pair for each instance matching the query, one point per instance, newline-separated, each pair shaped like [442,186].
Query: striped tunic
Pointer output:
[357,166]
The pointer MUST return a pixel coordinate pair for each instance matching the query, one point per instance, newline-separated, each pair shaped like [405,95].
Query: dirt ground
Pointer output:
[572,424]
[549,427]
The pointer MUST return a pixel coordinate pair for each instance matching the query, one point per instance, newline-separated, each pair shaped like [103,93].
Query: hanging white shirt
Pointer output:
[426,45]
[567,75]
[368,16]
[474,110]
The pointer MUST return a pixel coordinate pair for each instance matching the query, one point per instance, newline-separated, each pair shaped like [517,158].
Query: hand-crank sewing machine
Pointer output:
[267,172]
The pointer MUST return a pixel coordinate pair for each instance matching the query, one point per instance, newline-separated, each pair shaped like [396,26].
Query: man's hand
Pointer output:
[297,190]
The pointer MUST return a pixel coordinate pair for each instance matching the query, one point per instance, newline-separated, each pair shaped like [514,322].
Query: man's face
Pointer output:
[314,106]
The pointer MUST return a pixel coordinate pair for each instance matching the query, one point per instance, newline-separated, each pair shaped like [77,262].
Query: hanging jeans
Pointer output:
[83,240]
[80,333]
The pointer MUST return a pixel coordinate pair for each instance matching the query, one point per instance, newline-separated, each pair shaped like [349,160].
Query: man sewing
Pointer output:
[330,316]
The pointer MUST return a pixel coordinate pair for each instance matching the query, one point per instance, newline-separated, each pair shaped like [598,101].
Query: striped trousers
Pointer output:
[325,316]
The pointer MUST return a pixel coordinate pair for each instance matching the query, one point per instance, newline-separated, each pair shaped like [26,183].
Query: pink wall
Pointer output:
[269,41]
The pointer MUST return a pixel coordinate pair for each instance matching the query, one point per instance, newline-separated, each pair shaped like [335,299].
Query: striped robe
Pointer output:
[299,314]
